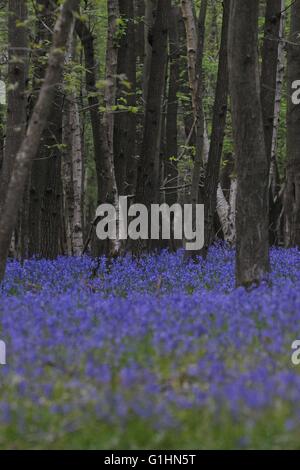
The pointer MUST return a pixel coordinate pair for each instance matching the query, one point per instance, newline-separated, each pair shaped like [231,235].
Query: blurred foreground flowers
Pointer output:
[153,353]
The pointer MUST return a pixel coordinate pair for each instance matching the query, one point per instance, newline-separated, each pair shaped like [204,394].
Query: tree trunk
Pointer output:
[16,90]
[252,262]
[91,78]
[139,15]
[292,191]
[102,129]
[78,178]
[273,26]
[45,184]
[37,123]
[217,135]
[111,74]
[150,10]
[281,63]
[170,163]
[200,125]
[72,166]
[269,69]
[195,35]
[125,119]
[148,178]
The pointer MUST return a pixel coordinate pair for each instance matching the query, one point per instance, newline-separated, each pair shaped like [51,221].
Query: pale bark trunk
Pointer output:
[227,211]
[281,64]
[66,175]
[108,118]
[188,15]
[195,49]
[72,165]
[78,178]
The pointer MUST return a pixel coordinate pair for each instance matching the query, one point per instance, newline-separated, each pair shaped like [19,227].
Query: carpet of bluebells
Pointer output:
[149,353]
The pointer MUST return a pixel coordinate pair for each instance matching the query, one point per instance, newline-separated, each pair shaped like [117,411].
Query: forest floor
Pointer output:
[149,354]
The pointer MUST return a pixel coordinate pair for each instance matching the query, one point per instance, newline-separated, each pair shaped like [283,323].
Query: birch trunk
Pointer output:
[281,65]
[78,178]
[72,165]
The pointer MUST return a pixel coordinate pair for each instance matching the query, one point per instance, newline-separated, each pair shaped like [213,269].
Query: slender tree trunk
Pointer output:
[292,191]
[217,136]
[16,90]
[269,69]
[38,173]
[52,193]
[252,262]
[148,178]
[68,193]
[170,163]
[72,174]
[87,40]
[125,121]
[78,178]
[195,34]
[139,15]
[46,187]
[199,117]
[273,24]
[281,65]
[2,113]
[213,36]
[111,74]
[188,14]
[102,129]
[37,123]
[112,196]
[150,11]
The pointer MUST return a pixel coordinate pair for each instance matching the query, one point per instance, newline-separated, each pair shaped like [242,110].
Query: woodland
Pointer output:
[142,343]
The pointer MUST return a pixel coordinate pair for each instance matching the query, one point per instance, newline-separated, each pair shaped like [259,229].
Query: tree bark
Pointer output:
[102,129]
[72,165]
[37,123]
[292,190]
[170,163]
[125,119]
[87,40]
[45,203]
[150,10]
[273,26]
[217,136]
[200,125]
[252,263]
[269,69]
[111,74]
[148,178]
[16,90]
